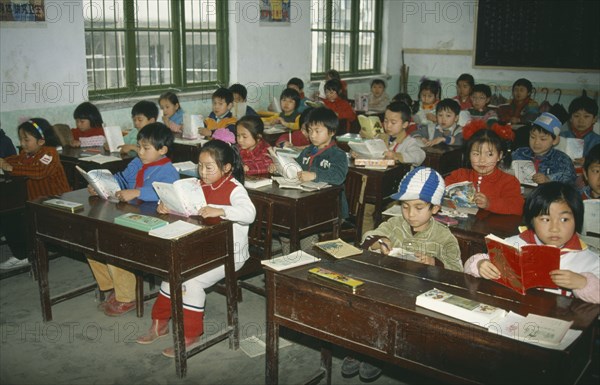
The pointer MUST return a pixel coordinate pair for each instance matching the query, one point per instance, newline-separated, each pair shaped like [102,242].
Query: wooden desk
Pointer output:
[443,158]
[93,232]
[382,184]
[300,213]
[184,150]
[72,156]
[382,321]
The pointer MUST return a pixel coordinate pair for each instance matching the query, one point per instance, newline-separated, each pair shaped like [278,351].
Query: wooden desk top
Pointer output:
[80,153]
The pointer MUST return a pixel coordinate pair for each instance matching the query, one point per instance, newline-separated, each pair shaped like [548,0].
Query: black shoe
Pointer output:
[368,372]
[350,367]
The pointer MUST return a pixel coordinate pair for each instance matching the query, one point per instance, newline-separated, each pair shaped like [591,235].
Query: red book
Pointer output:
[525,267]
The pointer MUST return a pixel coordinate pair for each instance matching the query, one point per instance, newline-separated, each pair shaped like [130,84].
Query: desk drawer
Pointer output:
[73,229]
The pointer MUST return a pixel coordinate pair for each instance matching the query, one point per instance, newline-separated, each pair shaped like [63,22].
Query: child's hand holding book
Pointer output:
[487,269]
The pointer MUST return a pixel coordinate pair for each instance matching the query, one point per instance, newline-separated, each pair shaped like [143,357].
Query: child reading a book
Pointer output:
[240,93]
[480,100]
[40,163]
[550,164]
[522,108]
[299,138]
[496,191]
[222,178]
[583,112]
[340,106]
[143,113]
[378,98]
[151,165]
[464,89]
[88,131]
[298,85]
[289,116]
[172,111]
[220,116]
[447,129]
[253,149]
[591,173]
[420,194]
[429,96]
[554,215]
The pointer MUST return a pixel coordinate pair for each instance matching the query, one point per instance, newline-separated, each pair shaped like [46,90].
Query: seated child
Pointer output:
[298,85]
[429,96]
[522,108]
[591,173]
[420,194]
[240,94]
[447,129]
[289,116]
[583,112]
[550,164]
[554,215]
[89,131]
[464,89]
[340,106]
[299,138]
[220,116]
[222,180]
[253,149]
[496,191]
[151,165]
[378,98]
[143,113]
[406,99]
[480,99]
[7,148]
[172,111]
[334,74]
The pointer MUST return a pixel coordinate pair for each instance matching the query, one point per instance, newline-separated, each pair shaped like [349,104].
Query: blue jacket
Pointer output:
[163,173]
[555,164]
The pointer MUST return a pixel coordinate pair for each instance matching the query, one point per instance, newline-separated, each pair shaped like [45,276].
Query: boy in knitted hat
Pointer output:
[550,164]
[420,194]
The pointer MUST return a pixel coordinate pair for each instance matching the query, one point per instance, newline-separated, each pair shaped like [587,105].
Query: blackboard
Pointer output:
[538,33]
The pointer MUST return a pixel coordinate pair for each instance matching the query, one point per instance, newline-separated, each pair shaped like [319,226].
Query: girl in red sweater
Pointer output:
[497,191]
[254,150]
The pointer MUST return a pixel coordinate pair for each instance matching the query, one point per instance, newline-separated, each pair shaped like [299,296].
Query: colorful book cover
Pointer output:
[336,277]
[140,222]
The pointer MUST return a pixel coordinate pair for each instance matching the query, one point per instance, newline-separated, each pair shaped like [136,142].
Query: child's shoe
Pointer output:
[116,308]
[350,367]
[108,299]
[159,328]
[189,343]
[368,372]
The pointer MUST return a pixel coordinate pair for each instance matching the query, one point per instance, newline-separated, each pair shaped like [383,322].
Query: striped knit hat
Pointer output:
[422,183]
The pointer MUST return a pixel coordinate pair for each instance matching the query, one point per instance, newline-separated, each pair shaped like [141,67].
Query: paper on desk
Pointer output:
[190,142]
[174,230]
[101,159]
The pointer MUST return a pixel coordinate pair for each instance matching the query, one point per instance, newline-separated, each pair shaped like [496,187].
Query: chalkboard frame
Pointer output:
[490,49]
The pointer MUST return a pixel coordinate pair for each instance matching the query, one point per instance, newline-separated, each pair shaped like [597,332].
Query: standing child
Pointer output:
[222,178]
[89,131]
[378,98]
[591,173]
[253,149]
[429,96]
[172,111]
[151,165]
[522,108]
[40,163]
[550,164]
[340,106]
[220,117]
[464,89]
[289,116]
[583,112]
[143,113]
[496,191]
[298,85]
[299,138]
[420,194]
[554,215]
[447,129]
[480,99]
[240,93]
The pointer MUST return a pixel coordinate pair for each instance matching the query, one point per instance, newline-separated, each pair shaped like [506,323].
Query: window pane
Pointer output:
[200,14]
[367,15]
[319,41]
[340,51]
[152,14]
[341,15]
[317,14]
[201,57]
[105,59]
[154,58]
[103,14]
[366,50]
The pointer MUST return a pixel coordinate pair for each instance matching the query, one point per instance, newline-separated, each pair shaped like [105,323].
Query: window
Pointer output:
[346,36]
[152,45]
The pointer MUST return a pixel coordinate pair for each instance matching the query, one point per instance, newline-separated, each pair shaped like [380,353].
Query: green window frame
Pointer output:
[346,36]
[148,46]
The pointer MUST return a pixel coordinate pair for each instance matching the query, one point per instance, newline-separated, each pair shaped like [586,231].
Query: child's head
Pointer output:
[447,111]
[583,112]
[333,89]
[485,149]
[554,210]
[87,116]
[464,85]
[303,121]
[405,98]
[396,119]
[429,91]
[544,133]
[420,194]
[521,89]
[218,159]
[322,126]
[239,92]
[169,103]
[222,101]
[591,170]
[35,133]
[377,87]
[332,74]
[144,112]
[481,96]
[289,100]
[154,142]
[297,84]
[249,131]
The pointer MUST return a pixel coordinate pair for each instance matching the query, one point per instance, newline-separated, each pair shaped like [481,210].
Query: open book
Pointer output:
[102,181]
[274,106]
[571,146]
[361,101]
[286,165]
[183,197]
[239,109]
[369,149]
[524,171]
[297,258]
[257,182]
[174,230]
[114,138]
[461,197]
[525,267]
[296,184]
[191,123]
[534,329]
[370,126]
[338,248]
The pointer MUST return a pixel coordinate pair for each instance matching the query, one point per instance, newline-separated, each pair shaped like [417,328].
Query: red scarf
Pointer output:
[580,134]
[572,244]
[139,178]
[312,157]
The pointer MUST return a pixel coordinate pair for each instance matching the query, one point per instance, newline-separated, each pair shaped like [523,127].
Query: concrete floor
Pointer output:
[83,346]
